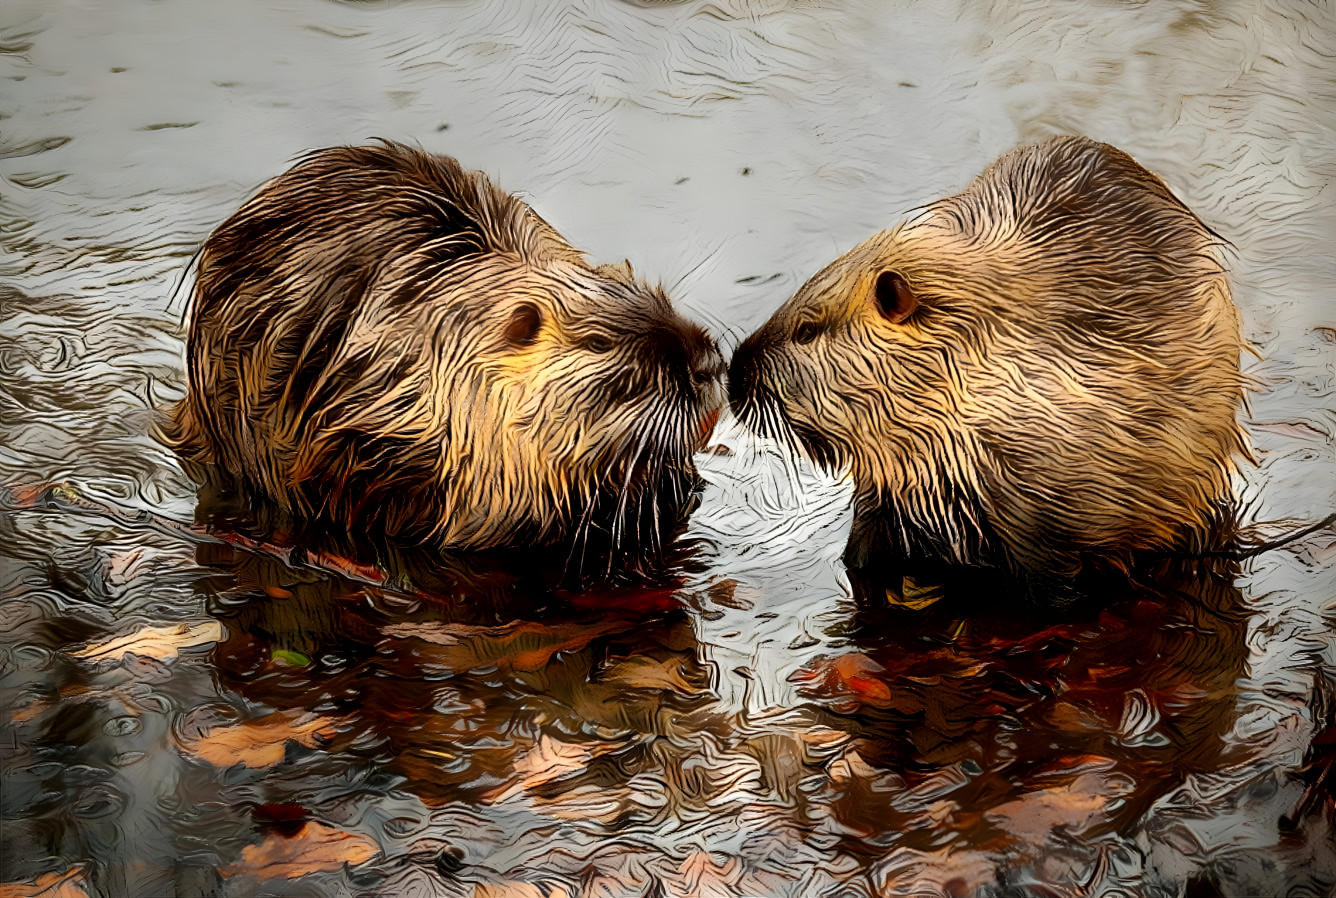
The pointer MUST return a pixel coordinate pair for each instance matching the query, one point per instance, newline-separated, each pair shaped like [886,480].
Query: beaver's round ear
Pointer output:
[524,324]
[895,301]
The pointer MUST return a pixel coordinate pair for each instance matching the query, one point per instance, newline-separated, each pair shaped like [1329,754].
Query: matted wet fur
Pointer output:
[1039,372]
[382,340]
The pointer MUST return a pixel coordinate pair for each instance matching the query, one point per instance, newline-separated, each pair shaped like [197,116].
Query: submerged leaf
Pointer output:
[548,759]
[290,658]
[160,643]
[914,595]
[48,885]
[517,889]
[643,672]
[521,645]
[261,742]
[313,848]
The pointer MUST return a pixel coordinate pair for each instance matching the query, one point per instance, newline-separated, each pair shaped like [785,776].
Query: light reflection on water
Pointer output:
[749,727]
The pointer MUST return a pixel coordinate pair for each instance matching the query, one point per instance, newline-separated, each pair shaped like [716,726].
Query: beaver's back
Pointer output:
[1105,401]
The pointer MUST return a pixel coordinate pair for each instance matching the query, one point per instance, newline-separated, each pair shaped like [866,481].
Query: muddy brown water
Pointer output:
[187,717]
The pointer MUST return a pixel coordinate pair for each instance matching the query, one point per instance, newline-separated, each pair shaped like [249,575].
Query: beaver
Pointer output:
[1038,375]
[386,342]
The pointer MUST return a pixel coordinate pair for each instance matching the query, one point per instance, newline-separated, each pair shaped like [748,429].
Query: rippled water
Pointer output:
[191,716]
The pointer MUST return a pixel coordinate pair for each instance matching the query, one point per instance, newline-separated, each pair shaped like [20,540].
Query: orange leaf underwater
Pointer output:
[258,743]
[313,848]
[48,885]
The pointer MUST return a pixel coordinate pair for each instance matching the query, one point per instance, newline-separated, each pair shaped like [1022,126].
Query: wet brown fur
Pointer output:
[384,340]
[1064,391]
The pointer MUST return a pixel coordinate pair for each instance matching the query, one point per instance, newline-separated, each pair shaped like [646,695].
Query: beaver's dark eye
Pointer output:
[806,332]
[597,343]
[524,324]
[895,301]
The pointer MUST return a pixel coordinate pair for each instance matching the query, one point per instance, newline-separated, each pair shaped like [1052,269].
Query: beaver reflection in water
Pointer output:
[1038,375]
[383,341]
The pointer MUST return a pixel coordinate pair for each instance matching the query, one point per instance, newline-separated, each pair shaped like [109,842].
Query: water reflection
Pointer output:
[960,736]
[984,731]
[464,723]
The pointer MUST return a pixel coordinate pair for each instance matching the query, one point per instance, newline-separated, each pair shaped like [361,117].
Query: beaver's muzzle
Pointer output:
[744,372]
[688,352]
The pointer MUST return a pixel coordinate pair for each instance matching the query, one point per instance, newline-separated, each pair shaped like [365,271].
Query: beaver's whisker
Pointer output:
[618,525]
[580,539]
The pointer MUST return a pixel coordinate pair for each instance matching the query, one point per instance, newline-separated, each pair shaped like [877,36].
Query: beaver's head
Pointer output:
[576,397]
[560,400]
[860,365]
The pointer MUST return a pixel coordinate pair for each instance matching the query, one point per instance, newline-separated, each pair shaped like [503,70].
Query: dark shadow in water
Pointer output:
[462,662]
[995,725]
[446,692]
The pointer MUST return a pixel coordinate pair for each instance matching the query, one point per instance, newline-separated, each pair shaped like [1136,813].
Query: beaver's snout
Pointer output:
[743,371]
[686,349]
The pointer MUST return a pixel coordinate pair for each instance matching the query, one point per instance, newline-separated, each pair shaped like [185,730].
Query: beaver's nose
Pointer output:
[742,371]
[707,364]
[687,348]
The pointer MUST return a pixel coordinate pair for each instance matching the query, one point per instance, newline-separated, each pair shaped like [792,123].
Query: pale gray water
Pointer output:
[729,150]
